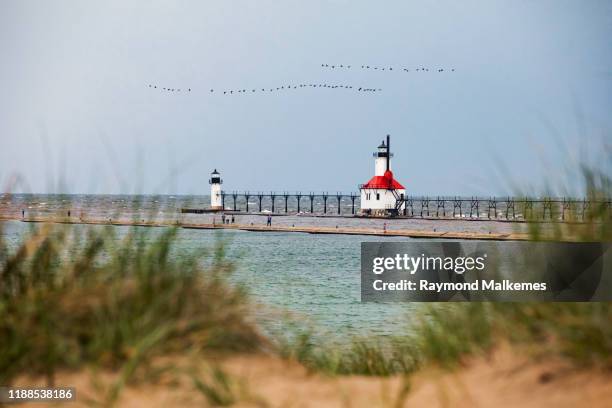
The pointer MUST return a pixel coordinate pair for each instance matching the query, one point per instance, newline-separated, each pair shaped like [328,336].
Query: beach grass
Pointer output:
[77,296]
[446,334]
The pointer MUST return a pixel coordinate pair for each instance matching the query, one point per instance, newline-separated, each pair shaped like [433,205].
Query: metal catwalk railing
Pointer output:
[501,208]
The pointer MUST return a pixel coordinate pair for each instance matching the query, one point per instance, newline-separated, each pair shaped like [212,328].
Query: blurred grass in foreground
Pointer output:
[75,297]
[596,224]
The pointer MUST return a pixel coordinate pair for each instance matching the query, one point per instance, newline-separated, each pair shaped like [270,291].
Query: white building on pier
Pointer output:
[380,195]
[216,201]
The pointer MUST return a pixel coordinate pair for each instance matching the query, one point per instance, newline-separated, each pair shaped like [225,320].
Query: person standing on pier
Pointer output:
[223,219]
[269,223]
[232,219]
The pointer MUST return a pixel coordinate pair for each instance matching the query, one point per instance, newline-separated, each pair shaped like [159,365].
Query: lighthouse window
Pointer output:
[378,196]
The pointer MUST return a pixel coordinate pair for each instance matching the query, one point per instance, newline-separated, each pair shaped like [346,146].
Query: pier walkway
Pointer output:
[465,235]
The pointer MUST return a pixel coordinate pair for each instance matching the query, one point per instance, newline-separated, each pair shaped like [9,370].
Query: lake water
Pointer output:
[315,278]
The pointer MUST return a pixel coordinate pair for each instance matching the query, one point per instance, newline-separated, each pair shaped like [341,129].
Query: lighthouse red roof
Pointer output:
[386,182]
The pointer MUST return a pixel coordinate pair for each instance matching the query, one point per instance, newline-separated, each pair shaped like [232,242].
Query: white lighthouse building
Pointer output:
[380,195]
[216,201]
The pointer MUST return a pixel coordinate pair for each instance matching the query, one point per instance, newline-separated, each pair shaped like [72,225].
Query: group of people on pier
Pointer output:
[227,220]
[231,220]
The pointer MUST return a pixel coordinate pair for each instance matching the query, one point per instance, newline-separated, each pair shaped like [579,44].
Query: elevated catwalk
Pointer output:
[466,208]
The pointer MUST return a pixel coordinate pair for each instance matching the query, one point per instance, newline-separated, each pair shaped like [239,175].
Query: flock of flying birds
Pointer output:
[275,89]
[169,89]
[418,69]
[302,86]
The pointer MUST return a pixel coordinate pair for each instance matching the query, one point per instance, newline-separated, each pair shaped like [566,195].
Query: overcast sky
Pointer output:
[531,93]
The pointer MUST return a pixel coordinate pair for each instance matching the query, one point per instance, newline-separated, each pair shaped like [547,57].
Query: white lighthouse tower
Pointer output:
[382,195]
[216,202]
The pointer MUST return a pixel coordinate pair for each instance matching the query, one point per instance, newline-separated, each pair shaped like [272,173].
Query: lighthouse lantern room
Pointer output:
[382,195]
[216,202]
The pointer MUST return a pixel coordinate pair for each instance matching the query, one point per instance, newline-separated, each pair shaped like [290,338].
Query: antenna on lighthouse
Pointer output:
[388,152]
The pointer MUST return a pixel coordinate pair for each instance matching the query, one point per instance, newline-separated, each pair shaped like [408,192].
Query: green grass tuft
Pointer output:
[70,298]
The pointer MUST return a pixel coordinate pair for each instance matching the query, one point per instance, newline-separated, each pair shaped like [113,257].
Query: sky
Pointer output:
[530,97]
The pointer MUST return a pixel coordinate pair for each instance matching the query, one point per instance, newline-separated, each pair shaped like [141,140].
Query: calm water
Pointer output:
[313,277]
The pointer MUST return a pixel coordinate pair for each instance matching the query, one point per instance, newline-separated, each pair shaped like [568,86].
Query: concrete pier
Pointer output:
[283,228]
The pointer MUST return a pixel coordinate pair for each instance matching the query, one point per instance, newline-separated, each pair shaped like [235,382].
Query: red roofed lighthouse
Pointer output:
[382,195]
